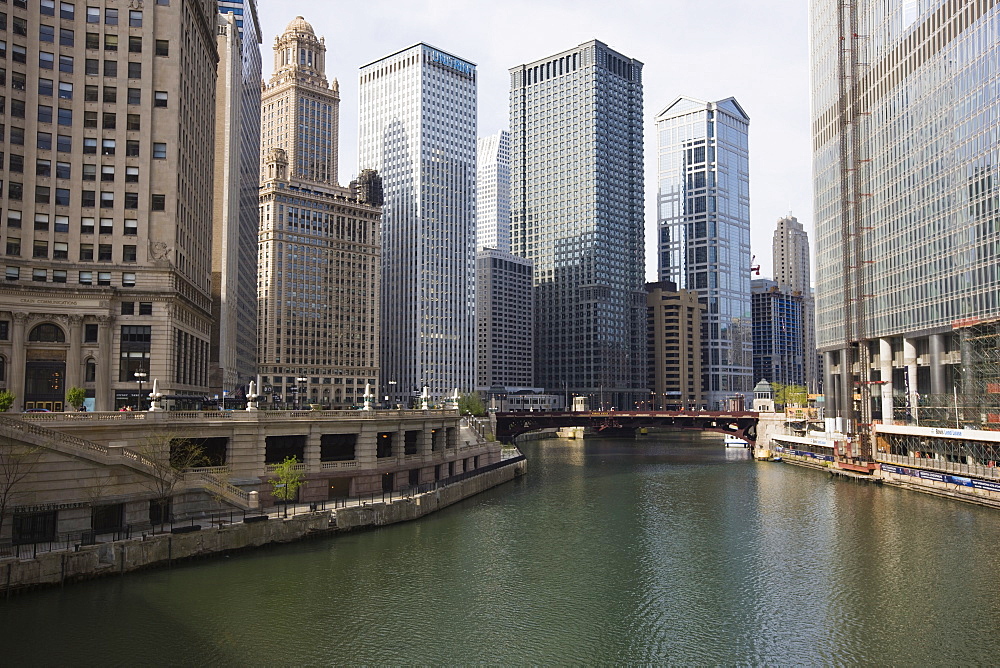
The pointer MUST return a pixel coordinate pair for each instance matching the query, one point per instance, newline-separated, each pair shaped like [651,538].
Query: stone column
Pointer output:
[18,359]
[937,364]
[829,391]
[103,398]
[399,445]
[74,363]
[885,371]
[910,362]
[312,452]
[846,407]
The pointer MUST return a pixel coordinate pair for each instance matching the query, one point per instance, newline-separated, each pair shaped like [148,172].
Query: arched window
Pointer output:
[47,333]
[90,371]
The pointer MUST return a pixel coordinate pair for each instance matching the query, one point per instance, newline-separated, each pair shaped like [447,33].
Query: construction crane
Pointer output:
[754,268]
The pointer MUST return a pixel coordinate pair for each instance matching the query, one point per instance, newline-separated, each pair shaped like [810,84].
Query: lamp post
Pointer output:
[140,377]
[392,393]
[301,380]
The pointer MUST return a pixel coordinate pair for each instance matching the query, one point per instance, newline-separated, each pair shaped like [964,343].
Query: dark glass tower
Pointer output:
[577,212]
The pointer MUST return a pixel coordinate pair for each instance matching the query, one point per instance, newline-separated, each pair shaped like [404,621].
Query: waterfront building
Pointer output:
[233,349]
[905,160]
[673,331]
[418,129]
[107,201]
[493,192]
[318,274]
[704,233]
[790,257]
[779,313]
[577,214]
[504,322]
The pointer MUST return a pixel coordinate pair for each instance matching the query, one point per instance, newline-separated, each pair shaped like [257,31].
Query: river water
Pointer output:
[671,549]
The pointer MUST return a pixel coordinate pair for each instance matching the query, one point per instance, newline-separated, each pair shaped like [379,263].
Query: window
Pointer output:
[44,141]
[131,200]
[135,19]
[110,42]
[18,81]
[67,10]
[13,247]
[110,94]
[39,275]
[160,150]
[135,44]
[132,122]
[131,175]
[86,226]
[15,163]
[128,279]
[90,119]
[65,116]
[134,70]
[46,33]
[86,277]
[60,250]
[19,26]
[162,47]
[132,147]
[134,96]
[93,14]
[13,218]
[19,54]
[108,174]
[90,333]
[44,89]
[17,108]
[90,370]
[104,252]
[128,308]
[107,147]
[42,195]
[111,17]
[15,191]
[64,144]
[109,121]
[62,196]
[129,253]
[104,278]
[47,7]
[40,248]
[42,222]
[107,199]
[65,90]
[145,308]
[158,202]
[160,98]
[90,172]
[90,143]
[13,273]
[131,227]
[63,170]
[107,226]
[62,224]
[58,275]
[93,40]
[92,66]
[46,60]
[90,94]
[110,69]
[66,37]
[45,112]
[88,198]
[66,64]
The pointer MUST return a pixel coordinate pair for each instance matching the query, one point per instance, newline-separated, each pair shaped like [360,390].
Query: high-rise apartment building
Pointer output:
[673,329]
[790,258]
[233,350]
[704,233]
[319,242]
[779,313]
[504,321]
[418,129]
[493,192]
[905,162]
[107,200]
[577,213]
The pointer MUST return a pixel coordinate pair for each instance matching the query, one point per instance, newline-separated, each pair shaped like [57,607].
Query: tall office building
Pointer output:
[704,233]
[107,200]
[504,322]
[233,349]
[790,258]
[493,192]
[779,319]
[905,162]
[577,213]
[234,256]
[673,329]
[319,242]
[418,129]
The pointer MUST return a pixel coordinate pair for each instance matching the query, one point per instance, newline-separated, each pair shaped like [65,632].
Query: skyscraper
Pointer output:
[233,350]
[779,354]
[107,276]
[673,328]
[418,129]
[504,322]
[704,233]
[790,258]
[319,242]
[577,213]
[493,192]
[905,162]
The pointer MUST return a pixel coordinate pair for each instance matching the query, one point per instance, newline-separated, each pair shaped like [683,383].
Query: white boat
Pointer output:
[734,442]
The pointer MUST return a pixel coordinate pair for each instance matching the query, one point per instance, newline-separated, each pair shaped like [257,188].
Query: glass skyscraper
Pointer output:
[577,213]
[906,114]
[704,234]
[418,129]
[493,192]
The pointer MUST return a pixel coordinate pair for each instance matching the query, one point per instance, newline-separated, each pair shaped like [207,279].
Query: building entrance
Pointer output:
[44,385]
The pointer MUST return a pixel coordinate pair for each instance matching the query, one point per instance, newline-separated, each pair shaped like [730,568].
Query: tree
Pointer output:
[17,462]
[471,404]
[75,397]
[169,457]
[286,480]
[6,400]
[790,395]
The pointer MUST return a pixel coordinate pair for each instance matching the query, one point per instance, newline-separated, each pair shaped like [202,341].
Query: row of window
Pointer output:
[88,198]
[63,170]
[60,251]
[60,276]
[64,144]
[61,224]
[91,92]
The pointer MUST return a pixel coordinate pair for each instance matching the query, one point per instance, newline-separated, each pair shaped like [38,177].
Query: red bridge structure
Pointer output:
[739,424]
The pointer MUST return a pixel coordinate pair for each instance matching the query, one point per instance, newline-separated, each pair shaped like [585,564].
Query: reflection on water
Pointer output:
[669,549]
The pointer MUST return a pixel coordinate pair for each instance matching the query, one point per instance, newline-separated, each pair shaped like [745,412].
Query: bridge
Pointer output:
[739,424]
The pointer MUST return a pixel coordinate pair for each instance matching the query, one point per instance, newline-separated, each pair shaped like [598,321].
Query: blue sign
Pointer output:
[451,62]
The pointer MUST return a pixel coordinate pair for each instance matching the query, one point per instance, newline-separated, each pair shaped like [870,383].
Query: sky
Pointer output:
[754,51]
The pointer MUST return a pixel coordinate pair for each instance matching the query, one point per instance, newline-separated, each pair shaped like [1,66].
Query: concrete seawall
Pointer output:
[54,568]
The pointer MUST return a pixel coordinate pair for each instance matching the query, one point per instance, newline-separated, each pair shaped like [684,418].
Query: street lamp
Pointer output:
[392,392]
[302,389]
[140,377]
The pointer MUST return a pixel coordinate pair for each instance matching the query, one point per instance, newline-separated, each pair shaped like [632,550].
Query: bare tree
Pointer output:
[17,461]
[170,457]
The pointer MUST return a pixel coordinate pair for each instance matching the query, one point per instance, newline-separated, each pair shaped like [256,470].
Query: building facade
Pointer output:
[504,322]
[791,259]
[779,320]
[905,160]
[704,233]
[319,248]
[233,349]
[107,201]
[493,192]
[673,330]
[418,130]
[577,214]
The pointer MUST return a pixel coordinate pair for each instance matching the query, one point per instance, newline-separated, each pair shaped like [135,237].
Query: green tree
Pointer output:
[75,397]
[286,480]
[471,404]
[790,395]
[6,400]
